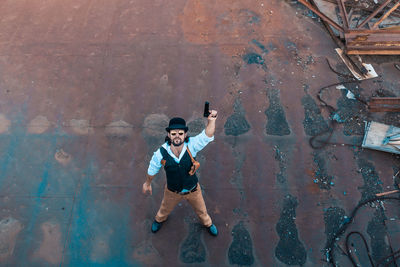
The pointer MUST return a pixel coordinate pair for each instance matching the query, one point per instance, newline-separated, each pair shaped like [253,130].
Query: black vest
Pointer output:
[178,177]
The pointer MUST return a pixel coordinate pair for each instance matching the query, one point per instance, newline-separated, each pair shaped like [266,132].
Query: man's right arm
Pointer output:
[147,185]
[154,167]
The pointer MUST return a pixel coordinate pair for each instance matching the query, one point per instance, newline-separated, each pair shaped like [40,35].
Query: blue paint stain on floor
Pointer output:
[10,147]
[290,250]
[100,228]
[253,58]
[372,183]
[378,233]
[192,248]
[241,250]
[313,122]
[260,45]
[236,124]
[322,178]
[280,156]
[352,112]
[334,218]
[290,45]
[35,153]
[276,117]
[33,161]
[249,16]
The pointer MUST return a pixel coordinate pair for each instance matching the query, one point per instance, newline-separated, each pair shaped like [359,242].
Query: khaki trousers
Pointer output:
[195,199]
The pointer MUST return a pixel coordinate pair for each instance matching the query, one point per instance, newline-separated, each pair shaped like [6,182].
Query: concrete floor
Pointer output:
[87,88]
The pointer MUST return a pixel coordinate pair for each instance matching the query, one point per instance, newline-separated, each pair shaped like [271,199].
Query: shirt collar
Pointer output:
[168,148]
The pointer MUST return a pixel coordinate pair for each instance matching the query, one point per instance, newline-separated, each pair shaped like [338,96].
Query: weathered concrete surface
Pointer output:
[87,89]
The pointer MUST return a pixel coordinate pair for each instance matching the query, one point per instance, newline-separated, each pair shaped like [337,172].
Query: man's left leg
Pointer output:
[196,200]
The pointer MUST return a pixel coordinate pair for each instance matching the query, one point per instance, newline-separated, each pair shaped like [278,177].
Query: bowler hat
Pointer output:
[177,123]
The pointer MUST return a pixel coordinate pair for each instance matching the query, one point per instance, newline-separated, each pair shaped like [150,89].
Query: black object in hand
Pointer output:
[206,109]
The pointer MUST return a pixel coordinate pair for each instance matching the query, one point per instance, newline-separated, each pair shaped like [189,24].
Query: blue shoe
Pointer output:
[156,226]
[213,230]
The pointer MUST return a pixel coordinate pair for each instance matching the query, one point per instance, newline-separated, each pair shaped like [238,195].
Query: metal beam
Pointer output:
[384,104]
[373,14]
[322,16]
[343,14]
[386,15]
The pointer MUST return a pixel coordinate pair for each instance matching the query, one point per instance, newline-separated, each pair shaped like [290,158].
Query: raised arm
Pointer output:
[210,128]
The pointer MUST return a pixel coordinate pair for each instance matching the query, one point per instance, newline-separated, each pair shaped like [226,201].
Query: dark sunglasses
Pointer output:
[180,133]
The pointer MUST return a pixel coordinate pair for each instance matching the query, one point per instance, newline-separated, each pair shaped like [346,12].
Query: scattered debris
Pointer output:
[376,134]
[349,94]
[396,184]
[62,157]
[370,37]
[360,74]
[387,193]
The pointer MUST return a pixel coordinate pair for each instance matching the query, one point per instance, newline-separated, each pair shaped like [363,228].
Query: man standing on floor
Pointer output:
[176,154]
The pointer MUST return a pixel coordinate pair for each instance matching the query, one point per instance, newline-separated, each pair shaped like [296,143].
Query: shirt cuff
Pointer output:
[151,173]
[206,136]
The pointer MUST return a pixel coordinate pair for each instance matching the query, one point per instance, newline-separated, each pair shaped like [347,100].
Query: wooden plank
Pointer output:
[387,193]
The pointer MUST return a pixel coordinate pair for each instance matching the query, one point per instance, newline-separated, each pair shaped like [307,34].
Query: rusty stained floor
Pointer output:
[87,88]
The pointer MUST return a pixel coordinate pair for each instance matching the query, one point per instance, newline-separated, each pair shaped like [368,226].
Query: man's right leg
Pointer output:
[168,203]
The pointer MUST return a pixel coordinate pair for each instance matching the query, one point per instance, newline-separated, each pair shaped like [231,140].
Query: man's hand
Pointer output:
[210,128]
[213,115]
[147,188]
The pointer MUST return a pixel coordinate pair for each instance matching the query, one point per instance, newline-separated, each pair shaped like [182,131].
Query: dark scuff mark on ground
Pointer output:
[352,112]
[290,45]
[381,92]
[322,178]
[154,131]
[241,250]
[248,17]
[372,183]
[276,117]
[260,45]
[377,231]
[193,249]
[334,217]
[289,250]
[272,46]
[396,177]
[281,176]
[301,60]
[196,126]
[237,177]
[253,58]
[313,122]
[392,118]
[237,124]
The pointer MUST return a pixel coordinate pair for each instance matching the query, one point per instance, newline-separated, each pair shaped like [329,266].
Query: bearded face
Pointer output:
[177,137]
